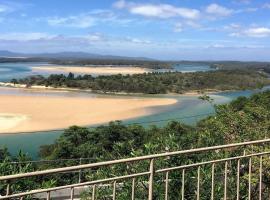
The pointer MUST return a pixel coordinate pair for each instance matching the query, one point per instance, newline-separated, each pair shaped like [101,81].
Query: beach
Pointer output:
[99,70]
[39,113]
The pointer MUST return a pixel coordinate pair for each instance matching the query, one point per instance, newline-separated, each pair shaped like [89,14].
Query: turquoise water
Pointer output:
[185,107]
[17,70]
[20,70]
[190,68]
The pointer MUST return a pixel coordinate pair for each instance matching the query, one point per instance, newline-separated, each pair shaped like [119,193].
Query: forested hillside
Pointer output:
[156,83]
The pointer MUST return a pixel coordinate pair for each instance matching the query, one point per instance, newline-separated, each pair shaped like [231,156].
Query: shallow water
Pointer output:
[189,109]
[20,70]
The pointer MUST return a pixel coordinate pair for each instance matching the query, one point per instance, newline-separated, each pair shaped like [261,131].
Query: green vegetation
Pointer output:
[157,83]
[228,65]
[151,64]
[244,119]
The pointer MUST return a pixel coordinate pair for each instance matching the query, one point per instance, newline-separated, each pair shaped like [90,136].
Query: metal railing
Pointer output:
[240,158]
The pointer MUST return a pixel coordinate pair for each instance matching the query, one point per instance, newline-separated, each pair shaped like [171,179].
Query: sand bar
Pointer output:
[91,70]
[37,113]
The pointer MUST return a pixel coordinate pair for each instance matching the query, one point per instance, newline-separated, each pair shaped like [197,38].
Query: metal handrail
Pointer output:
[150,173]
[128,160]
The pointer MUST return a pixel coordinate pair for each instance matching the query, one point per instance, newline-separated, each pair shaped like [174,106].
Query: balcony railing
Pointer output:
[198,178]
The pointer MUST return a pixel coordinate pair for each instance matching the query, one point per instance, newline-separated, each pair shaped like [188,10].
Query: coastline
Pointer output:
[42,87]
[91,70]
[42,113]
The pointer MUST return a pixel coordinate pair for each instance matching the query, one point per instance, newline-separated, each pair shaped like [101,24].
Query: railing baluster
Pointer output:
[133,189]
[80,172]
[114,190]
[198,182]
[249,178]
[225,179]
[93,192]
[183,184]
[166,185]
[8,189]
[72,193]
[151,180]
[48,195]
[213,182]
[238,180]
[260,183]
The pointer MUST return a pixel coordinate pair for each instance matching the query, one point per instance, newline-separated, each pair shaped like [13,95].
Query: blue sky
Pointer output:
[162,29]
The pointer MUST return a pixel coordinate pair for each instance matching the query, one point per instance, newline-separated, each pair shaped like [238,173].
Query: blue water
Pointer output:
[186,106]
[20,70]
[192,67]
[16,70]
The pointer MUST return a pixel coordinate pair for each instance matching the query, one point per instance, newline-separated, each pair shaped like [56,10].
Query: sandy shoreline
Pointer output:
[37,113]
[91,70]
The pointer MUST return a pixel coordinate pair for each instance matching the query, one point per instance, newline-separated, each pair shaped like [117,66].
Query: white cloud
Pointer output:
[119,4]
[266,5]
[89,19]
[217,10]
[4,8]
[82,21]
[157,10]
[256,32]
[136,40]
[178,27]
[24,36]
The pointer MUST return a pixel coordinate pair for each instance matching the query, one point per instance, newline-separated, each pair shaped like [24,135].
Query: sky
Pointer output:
[160,29]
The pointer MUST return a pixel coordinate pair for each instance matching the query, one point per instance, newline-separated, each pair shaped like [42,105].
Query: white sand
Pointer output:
[36,113]
[9,121]
[91,70]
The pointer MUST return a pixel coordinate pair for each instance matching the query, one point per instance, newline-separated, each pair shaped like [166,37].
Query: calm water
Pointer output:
[186,106]
[19,70]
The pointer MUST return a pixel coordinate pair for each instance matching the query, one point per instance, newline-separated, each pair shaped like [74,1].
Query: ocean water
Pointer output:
[188,109]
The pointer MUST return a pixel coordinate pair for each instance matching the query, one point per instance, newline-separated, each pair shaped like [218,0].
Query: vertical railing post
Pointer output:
[238,180]
[213,182]
[8,188]
[249,178]
[198,182]
[225,180]
[114,190]
[167,185]
[133,189]
[80,172]
[48,196]
[151,180]
[183,184]
[93,192]
[260,183]
[72,193]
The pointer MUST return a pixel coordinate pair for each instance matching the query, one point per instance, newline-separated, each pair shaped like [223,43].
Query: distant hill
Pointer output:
[70,55]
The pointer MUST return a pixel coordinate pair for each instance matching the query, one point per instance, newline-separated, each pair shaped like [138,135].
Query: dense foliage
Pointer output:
[151,64]
[242,120]
[259,66]
[156,83]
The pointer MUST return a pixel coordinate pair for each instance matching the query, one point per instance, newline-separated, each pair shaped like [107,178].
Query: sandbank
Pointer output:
[39,113]
[91,70]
